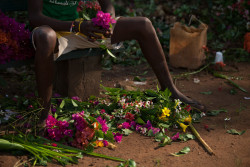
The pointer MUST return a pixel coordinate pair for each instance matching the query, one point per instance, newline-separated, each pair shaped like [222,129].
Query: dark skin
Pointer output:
[127,28]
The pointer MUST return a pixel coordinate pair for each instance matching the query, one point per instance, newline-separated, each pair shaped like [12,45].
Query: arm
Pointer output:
[107,7]
[36,17]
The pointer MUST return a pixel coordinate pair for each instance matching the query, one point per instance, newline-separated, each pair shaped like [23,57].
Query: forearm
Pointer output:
[37,18]
[57,25]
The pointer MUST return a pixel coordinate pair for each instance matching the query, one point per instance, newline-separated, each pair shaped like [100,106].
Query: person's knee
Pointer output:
[45,38]
[146,27]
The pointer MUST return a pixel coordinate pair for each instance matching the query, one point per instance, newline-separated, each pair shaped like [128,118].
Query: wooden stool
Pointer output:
[78,76]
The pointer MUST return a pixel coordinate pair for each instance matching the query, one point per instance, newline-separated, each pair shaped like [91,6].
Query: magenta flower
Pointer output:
[126,125]
[176,136]
[103,123]
[105,143]
[102,111]
[103,20]
[117,137]
[76,98]
[50,122]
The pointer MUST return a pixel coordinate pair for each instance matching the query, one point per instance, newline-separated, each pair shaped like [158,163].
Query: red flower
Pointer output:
[129,116]
[54,144]
[188,108]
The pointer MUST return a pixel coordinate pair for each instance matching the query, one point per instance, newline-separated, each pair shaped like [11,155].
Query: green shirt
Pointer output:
[64,10]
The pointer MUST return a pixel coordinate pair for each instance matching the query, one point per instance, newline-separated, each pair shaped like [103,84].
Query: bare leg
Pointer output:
[141,29]
[45,42]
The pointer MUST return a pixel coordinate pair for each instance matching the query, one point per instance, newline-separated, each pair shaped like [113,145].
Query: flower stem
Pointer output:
[197,135]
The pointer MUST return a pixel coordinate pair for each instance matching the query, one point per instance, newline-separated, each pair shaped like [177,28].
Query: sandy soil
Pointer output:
[230,150]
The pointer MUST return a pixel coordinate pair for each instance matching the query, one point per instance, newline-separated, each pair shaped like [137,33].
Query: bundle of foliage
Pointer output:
[14,40]
[102,122]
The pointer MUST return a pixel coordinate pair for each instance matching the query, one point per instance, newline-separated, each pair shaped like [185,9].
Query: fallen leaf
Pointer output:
[206,93]
[184,151]
[235,132]
[215,112]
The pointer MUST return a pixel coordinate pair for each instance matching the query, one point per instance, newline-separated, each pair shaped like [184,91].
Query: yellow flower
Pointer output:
[163,117]
[188,119]
[166,111]
[99,144]
[183,126]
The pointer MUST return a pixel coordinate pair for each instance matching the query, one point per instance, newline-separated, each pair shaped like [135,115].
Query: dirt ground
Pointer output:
[230,150]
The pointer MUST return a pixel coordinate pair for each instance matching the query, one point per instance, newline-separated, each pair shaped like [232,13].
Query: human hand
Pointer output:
[93,32]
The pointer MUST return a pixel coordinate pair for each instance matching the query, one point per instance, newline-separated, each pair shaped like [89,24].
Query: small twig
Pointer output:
[197,135]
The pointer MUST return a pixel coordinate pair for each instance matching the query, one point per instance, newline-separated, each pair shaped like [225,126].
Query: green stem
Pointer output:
[192,73]
[229,80]
[197,135]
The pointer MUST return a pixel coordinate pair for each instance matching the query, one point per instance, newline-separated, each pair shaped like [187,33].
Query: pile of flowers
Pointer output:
[101,122]
[14,40]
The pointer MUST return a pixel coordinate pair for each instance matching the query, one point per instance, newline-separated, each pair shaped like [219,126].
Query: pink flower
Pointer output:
[105,127]
[102,111]
[103,20]
[126,125]
[117,137]
[105,143]
[176,136]
[76,98]
[54,144]
[50,121]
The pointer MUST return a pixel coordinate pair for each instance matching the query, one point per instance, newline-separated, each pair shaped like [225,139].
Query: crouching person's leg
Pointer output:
[142,30]
[45,42]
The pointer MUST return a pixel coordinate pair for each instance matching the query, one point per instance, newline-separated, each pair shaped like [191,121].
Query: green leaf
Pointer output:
[62,104]
[99,134]
[184,151]
[235,132]
[140,121]
[7,145]
[215,112]
[131,163]
[110,53]
[185,137]
[166,140]
[151,133]
[206,93]
[109,136]
[139,79]
[127,131]
[74,103]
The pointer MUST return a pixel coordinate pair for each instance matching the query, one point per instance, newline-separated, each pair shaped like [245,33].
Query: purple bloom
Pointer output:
[155,130]
[176,136]
[148,125]
[133,123]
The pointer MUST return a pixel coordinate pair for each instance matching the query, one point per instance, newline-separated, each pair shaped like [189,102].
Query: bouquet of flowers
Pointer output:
[91,10]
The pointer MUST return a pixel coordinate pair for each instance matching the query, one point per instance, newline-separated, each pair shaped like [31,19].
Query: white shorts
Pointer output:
[70,41]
